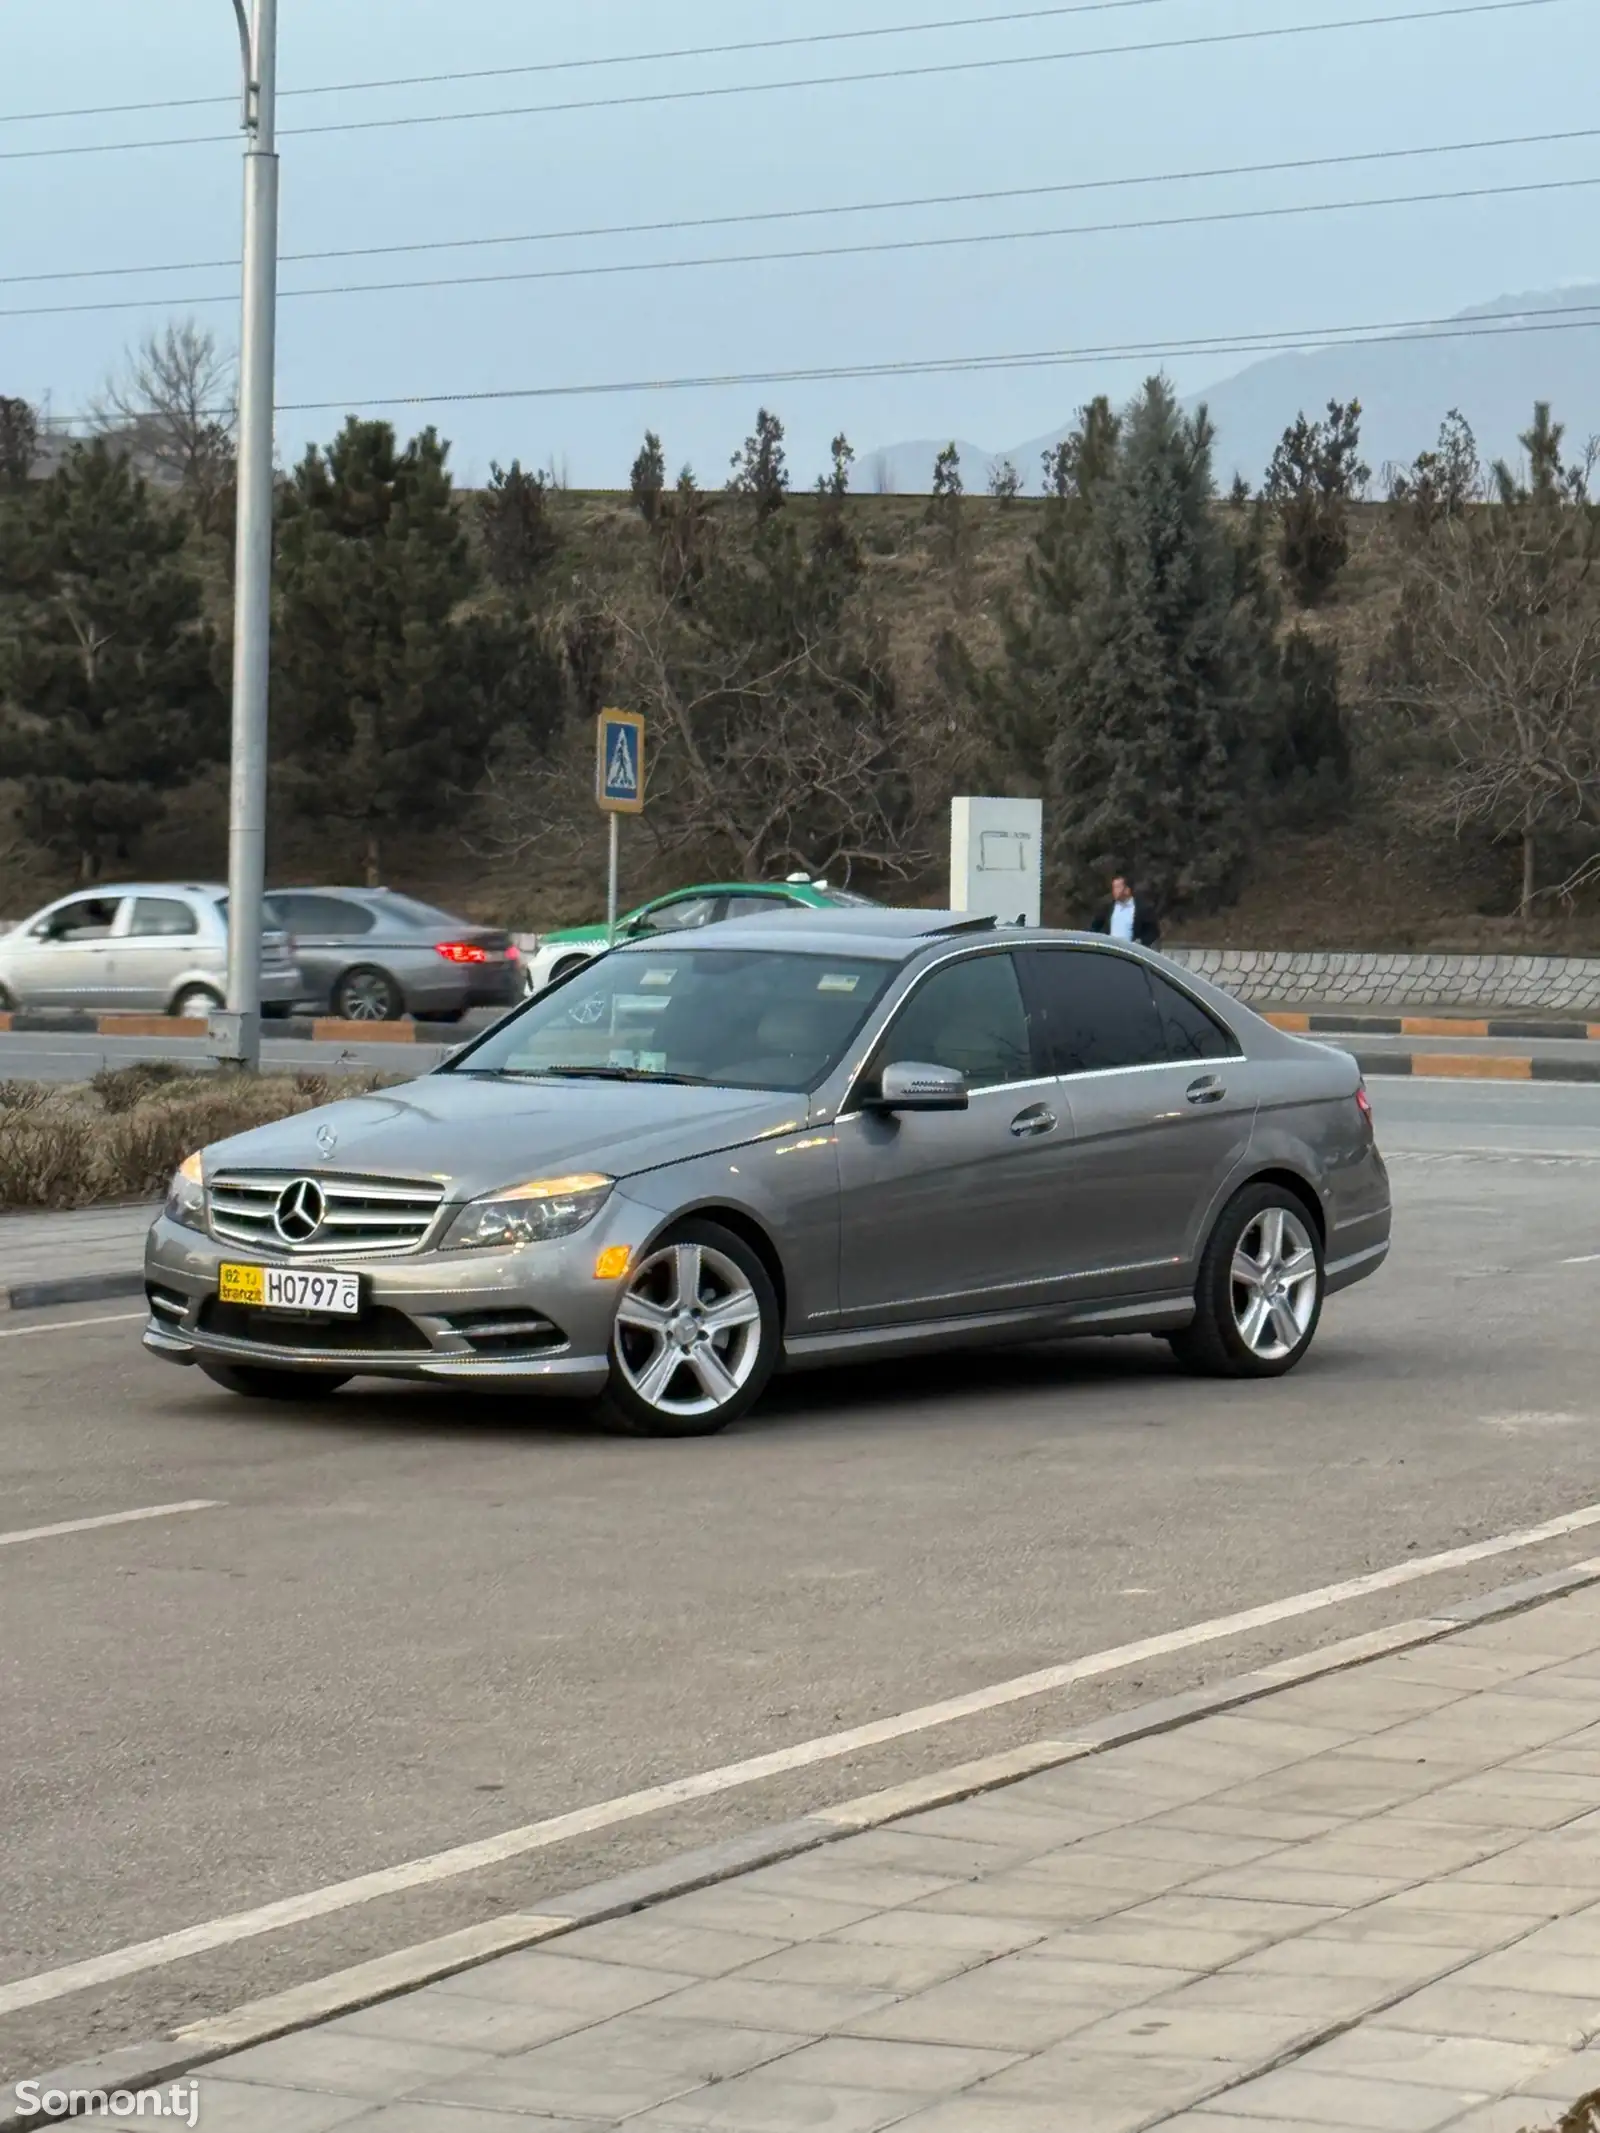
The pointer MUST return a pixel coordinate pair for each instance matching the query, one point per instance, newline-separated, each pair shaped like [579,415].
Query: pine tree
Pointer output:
[1315,474]
[759,468]
[519,540]
[386,693]
[19,442]
[1143,667]
[648,478]
[109,698]
[944,505]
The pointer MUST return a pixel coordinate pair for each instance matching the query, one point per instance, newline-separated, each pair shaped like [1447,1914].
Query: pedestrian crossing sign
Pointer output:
[619,763]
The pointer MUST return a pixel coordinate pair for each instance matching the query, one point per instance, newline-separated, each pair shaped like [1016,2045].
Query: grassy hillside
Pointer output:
[1364,884]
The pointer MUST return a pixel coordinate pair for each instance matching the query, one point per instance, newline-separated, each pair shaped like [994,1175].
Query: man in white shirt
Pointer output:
[1125,918]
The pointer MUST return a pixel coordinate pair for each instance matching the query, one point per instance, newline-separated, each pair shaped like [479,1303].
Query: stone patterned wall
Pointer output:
[1269,977]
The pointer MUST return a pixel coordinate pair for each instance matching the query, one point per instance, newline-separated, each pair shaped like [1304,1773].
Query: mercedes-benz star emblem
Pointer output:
[327,1139]
[299,1212]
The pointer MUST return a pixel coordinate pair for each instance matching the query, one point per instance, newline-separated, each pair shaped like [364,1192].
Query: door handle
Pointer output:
[1207,1090]
[1037,1119]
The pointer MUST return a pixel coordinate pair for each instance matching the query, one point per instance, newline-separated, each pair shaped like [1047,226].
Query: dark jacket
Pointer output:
[1146,922]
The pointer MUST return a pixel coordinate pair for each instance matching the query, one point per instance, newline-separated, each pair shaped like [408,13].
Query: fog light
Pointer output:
[612,1262]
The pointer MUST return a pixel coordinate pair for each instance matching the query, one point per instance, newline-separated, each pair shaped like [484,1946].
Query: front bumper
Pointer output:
[462,1317]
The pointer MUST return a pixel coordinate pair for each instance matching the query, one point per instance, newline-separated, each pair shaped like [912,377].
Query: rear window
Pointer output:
[412,913]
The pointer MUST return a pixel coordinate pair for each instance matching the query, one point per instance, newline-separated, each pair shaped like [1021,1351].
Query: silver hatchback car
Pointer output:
[801,1140]
[160,946]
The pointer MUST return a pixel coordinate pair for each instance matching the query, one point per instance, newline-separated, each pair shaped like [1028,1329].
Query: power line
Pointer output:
[1286,341]
[611,59]
[876,249]
[850,207]
[818,81]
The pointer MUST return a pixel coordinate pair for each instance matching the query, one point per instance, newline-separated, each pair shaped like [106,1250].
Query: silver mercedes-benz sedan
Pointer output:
[795,1141]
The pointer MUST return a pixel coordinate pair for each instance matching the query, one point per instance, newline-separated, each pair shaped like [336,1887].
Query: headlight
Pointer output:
[529,1214]
[186,1195]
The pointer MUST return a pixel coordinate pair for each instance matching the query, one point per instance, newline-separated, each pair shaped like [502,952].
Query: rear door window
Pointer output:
[1189,1031]
[758,906]
[161,918]
[328,915]
[1096,1010]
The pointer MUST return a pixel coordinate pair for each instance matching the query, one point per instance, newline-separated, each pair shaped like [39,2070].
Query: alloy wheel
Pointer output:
[1273,1282]
[688,1330]
[366,996]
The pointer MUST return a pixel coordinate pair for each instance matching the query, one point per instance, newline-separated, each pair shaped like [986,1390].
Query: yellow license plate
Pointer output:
[242,1284]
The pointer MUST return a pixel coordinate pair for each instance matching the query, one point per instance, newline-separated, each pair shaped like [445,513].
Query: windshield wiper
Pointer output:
[621,1073]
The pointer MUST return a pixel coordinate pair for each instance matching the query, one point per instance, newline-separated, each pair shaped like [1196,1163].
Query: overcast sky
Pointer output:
[1055,121]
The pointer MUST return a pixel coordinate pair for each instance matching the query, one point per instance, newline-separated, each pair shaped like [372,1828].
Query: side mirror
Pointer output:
[909,1085]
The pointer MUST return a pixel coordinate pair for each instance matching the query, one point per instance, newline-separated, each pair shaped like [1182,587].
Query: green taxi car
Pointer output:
[706,904]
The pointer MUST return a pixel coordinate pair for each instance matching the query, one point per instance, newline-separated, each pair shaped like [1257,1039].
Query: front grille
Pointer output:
[507,1332]
[372,1217]
[378,1331]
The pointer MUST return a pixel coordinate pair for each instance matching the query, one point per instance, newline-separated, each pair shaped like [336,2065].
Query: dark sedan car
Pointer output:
[371,955]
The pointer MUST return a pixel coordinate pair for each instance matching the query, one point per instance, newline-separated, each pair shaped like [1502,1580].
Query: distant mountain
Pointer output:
[1406,385]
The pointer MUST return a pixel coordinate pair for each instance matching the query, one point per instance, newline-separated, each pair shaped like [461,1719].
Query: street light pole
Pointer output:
[237,1033]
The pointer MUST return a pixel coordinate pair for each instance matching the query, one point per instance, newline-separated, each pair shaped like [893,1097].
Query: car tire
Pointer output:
[196,1003]
[696,1272]
[1258,1298]
[368,994]
[255,1381]
[7,1004]
[572,964]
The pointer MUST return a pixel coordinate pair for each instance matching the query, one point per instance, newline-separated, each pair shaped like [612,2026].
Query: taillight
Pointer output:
[461,951]
[1364,1104]
[513,952]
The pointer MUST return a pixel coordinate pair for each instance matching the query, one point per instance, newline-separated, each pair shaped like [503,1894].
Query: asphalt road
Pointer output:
[415,1618]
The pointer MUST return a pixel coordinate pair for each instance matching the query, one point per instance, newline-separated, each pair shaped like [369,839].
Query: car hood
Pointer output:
[476,1134]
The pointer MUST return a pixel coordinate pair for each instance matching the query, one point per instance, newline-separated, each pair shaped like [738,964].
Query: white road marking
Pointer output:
[459,1859]
[108,1518]
[65,1325]
[1588,1259]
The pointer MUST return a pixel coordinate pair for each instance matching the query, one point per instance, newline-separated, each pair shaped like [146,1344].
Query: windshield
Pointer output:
[741,1018]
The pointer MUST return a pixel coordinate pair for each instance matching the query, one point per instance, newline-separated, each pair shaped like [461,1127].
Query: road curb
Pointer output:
[70,1289]
[1476,1066]
[1522,1027]
[199,2044]
[303,1029]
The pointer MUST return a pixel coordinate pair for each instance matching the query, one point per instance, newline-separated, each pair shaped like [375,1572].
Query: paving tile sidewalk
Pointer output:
[90,1245]
[1371,1900]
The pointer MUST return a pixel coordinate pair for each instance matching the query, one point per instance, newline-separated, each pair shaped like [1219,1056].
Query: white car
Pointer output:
[158,946]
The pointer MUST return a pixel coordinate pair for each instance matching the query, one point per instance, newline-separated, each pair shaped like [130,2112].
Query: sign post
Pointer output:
[618,788]
[996,854]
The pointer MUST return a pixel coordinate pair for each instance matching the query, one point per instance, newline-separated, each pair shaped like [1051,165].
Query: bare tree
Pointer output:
[803,758]
[173,405]
[1005,482]
[1496,663]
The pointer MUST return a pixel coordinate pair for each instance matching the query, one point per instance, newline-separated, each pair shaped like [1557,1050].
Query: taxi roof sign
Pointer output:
[619,763]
